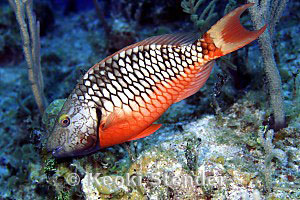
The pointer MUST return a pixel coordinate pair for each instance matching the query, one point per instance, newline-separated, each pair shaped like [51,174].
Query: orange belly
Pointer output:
[131,120]
[134,119]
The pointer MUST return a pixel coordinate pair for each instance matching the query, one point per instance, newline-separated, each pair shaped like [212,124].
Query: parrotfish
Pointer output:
[120,98]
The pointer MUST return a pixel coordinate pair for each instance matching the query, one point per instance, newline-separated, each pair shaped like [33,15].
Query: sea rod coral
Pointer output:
[31,48]
[269,12]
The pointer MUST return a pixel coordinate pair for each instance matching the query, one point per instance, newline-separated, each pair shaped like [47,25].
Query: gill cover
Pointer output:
[75,130]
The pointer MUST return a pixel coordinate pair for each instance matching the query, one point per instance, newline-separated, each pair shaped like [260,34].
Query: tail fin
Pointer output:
[228,34]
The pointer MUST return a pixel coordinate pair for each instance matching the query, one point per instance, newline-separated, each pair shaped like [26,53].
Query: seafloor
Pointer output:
[208,148]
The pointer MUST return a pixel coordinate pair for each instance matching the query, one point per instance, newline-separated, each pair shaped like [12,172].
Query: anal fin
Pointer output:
[151,129]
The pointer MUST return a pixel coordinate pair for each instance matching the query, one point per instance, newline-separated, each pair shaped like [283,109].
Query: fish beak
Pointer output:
[59,152]
[56,151]
[57,146]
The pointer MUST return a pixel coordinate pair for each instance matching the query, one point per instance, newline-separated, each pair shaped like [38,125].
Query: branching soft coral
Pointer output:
[30,32]
[203,21]
[270,12]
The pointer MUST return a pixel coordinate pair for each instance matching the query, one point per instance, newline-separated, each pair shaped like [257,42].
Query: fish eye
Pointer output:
[64,120]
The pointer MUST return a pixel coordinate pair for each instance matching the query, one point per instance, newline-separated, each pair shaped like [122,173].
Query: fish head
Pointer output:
[75,130]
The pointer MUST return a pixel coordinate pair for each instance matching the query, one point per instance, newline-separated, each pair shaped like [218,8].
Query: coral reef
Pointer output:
[229,162]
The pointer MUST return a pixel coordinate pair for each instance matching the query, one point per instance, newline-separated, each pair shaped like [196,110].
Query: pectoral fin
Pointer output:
[116,117]
[151,129]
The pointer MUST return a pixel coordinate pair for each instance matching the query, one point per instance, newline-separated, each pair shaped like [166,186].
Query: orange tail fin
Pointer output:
[228,34]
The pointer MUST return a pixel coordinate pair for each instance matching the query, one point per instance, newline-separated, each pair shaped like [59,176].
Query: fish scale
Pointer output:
[121,97]
[116,68]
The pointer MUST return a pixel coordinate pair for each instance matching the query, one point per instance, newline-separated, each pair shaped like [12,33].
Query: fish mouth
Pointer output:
[60,153]
[62,148]
[57,151]
[57,146]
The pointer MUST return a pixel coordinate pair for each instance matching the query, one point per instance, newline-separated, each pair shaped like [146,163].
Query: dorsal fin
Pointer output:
[175,39]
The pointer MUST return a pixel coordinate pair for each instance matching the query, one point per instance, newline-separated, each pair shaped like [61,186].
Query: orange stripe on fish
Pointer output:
[120,98]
